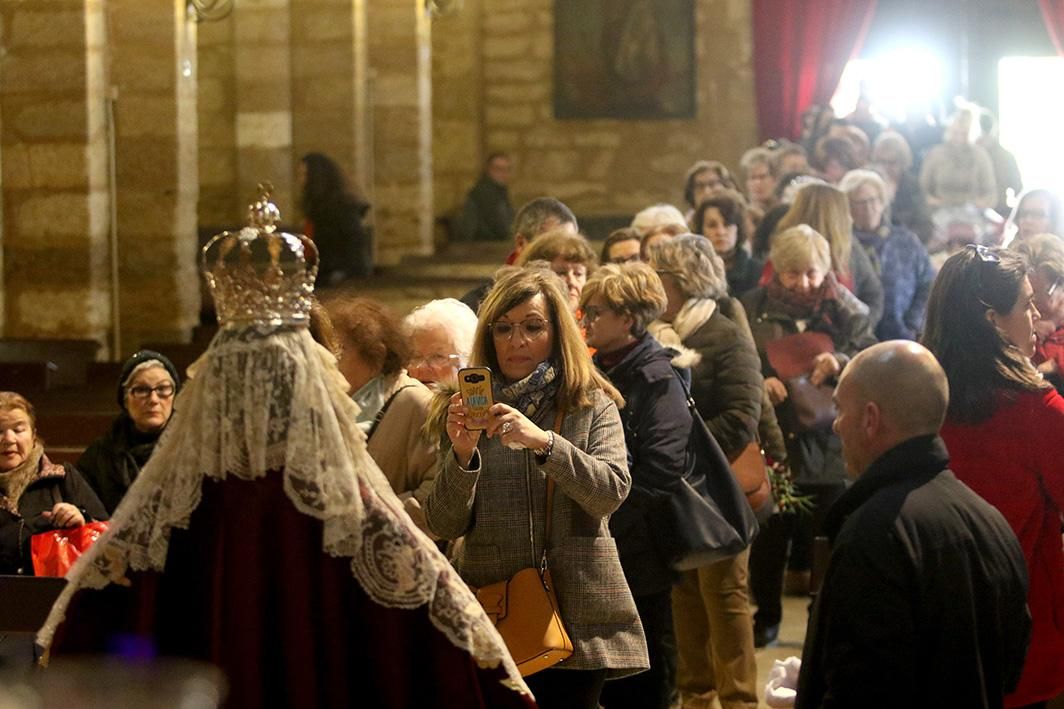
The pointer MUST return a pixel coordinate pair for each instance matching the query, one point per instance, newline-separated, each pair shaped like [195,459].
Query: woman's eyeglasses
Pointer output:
[435,361]
[530,329]
[592,313]
[165,391]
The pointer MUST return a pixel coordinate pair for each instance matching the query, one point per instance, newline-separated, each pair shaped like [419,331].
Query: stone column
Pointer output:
[220,199]
[53,170]
[153,68]
[262,56]
[400,54]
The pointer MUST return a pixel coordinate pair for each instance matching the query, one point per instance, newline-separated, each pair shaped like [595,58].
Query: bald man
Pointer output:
[924,600]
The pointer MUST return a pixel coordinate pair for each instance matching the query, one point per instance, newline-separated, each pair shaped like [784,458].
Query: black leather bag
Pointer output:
[706,517]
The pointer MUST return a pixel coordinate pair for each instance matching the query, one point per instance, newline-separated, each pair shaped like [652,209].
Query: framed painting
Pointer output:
[625,59]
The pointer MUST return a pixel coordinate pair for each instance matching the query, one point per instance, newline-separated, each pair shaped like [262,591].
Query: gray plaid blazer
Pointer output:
[489,505]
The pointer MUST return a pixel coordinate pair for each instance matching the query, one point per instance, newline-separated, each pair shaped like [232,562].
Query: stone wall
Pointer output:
[153,70]
[493,69]
[348,78]
[54,170]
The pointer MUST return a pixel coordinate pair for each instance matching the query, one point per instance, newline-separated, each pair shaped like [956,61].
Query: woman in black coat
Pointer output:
[335,215]
[36,495]
[618,303]
[147,386]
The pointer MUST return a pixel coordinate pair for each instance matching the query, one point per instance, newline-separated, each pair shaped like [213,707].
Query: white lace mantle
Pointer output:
[275,401]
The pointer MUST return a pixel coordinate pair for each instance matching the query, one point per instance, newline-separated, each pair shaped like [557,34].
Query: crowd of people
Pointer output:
[762,303]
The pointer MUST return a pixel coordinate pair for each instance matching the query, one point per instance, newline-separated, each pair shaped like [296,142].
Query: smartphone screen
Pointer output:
[475,385]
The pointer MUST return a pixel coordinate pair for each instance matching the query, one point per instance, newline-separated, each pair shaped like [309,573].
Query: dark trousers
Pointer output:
[768,559]
[652,689]
[567,689]
[768,554]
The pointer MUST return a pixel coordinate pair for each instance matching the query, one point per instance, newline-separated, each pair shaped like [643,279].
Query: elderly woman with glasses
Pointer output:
[898,258]
[554,429]
[440,334]
[713,629]
[146,389]
[1045,261]
[1003,430]
[36,495]
[570,257]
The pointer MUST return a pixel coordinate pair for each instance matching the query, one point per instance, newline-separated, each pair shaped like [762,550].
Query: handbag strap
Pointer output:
[549,511]
[384,409]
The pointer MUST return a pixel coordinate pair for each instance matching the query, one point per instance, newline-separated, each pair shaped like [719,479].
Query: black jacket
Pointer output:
[487,213]
[112,462]
[344,242]
[924,600]
[54,483]
[657,427]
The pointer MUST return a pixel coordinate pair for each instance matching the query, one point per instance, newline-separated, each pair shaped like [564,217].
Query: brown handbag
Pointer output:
[524,607]
[749,471]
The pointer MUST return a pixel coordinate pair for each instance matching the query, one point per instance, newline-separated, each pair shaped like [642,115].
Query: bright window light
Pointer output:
[1031,105]
[896,81]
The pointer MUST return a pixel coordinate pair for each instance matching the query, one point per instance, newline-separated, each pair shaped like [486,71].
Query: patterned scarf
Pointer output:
[14,482]
[820,305]
[528,395]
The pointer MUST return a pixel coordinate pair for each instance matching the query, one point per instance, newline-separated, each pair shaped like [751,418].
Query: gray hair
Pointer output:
[691,260]
[452,315]
[657,215]
[856,179]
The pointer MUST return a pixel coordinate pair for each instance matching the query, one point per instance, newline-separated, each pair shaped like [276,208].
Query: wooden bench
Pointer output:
[67,359]
[72,430]
[27,377]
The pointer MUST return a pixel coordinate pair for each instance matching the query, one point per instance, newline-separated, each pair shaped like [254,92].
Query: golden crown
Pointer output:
[258,275]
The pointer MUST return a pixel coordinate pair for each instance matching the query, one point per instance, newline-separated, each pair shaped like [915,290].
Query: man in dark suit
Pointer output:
[924,599]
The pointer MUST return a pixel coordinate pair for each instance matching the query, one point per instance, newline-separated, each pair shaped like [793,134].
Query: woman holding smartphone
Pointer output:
[492,484]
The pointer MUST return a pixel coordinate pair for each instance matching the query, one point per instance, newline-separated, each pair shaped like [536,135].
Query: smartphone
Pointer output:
[475,385]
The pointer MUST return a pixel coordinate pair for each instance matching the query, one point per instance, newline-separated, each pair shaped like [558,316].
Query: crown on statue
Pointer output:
[258,275]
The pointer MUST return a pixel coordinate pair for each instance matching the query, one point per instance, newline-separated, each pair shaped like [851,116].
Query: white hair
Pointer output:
[797,184]
[452,315]
[658,215]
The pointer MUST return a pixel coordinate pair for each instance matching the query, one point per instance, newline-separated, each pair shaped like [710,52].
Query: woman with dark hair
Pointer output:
[1003,430]
[334,212]
[721,219]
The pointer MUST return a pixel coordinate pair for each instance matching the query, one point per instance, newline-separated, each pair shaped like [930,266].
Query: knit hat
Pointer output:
[139,360]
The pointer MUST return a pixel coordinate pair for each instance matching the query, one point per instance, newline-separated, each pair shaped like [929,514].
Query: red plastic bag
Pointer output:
[56,551]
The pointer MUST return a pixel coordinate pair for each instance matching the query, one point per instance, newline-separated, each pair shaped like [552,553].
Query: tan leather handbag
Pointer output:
[749,470]
[524,607]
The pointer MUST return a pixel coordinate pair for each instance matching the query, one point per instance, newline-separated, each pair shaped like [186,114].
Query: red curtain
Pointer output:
[800,50]
[1053,14]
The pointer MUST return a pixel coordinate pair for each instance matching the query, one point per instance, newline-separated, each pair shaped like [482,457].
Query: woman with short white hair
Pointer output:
[656,216]
[897,256]
[440,334]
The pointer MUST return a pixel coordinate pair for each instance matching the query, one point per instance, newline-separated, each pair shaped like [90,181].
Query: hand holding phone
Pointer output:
[474,383]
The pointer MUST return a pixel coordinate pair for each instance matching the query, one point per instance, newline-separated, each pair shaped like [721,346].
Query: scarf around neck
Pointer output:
[693,315]
[817,305]
[14,482]
[529,395]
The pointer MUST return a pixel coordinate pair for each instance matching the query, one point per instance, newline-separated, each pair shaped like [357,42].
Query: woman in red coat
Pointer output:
[1005,433]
